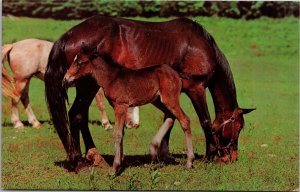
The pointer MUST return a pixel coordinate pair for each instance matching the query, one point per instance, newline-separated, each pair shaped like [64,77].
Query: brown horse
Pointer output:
[181,43]
[159,85]
[28,58]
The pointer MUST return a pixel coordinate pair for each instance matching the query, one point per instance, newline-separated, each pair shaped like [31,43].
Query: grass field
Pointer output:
[264,57]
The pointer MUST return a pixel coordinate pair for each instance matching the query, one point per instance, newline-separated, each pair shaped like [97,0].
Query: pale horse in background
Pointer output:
[28,58]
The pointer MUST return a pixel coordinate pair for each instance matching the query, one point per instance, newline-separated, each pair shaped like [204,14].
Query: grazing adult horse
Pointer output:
[124,88]
[181,43]
[28,58]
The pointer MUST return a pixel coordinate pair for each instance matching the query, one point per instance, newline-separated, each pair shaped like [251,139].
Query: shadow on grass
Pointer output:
[129,161]
[27,124]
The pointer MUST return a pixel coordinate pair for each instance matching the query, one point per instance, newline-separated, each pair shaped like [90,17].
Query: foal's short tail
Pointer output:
[8,85]
[56,95]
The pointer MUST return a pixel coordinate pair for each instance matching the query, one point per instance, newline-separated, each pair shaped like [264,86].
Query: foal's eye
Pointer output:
[80,63]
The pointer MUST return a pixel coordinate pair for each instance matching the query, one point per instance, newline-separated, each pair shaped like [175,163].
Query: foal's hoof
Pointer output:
[115,171]
[189,165]
[96,159]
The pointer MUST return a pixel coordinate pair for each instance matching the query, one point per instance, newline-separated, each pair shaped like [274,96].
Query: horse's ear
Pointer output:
[245,111]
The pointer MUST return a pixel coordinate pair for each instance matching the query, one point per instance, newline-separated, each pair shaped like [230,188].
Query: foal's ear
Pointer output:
[245,111]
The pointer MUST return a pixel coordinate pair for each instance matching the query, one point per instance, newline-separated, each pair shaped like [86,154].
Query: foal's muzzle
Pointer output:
[67,81]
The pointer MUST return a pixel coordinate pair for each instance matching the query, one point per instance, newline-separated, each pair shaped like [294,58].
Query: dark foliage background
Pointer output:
[78,9]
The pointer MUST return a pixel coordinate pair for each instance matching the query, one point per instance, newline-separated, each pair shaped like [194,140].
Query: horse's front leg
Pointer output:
[120,116]
[196,93]
[78,116]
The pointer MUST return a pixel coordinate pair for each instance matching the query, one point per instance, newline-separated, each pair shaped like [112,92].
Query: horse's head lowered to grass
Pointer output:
[226,132]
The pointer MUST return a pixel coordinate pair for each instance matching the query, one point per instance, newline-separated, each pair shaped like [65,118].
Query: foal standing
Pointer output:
[124,88]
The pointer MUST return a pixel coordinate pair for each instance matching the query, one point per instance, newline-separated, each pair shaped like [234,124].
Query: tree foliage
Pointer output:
[78,9]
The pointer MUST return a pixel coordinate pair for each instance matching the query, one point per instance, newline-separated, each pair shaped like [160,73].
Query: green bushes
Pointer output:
[78,9]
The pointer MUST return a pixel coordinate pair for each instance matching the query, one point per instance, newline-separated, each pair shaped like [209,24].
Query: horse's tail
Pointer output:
[56,94]
[8,85]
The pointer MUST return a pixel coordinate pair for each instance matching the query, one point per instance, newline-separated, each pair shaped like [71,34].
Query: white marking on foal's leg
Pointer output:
[156,141]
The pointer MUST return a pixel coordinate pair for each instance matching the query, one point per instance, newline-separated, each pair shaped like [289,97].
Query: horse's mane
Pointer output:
[222,63]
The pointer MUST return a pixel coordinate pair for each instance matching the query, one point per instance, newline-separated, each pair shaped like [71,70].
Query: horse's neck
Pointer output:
[223,93]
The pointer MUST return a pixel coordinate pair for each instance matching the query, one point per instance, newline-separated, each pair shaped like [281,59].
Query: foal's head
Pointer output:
[226,132]
[81,66]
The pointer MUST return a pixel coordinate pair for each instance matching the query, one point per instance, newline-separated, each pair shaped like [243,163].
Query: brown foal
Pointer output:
[124,88]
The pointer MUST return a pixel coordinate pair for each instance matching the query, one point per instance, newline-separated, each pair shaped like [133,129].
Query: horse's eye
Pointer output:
[232,118]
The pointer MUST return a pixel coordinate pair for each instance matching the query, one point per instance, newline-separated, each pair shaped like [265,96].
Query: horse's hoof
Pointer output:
[131,125]
[37,125]
[108,127]
[19,125]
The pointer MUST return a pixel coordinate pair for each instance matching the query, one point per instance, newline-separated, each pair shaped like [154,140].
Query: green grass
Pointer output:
[264,57]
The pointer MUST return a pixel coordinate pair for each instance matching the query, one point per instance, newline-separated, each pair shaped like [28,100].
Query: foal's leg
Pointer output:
[101,105]
[174,107]
[132,117]
[19,88]
[120,116]
[197,95]
[25,100]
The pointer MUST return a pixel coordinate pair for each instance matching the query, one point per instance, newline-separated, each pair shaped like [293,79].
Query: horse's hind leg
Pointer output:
[19,88]
[197,95]
[132,117]
[159,147]
[101,105]
[25,100]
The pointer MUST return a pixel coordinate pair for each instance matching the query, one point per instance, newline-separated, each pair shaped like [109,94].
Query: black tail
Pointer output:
[56,95]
